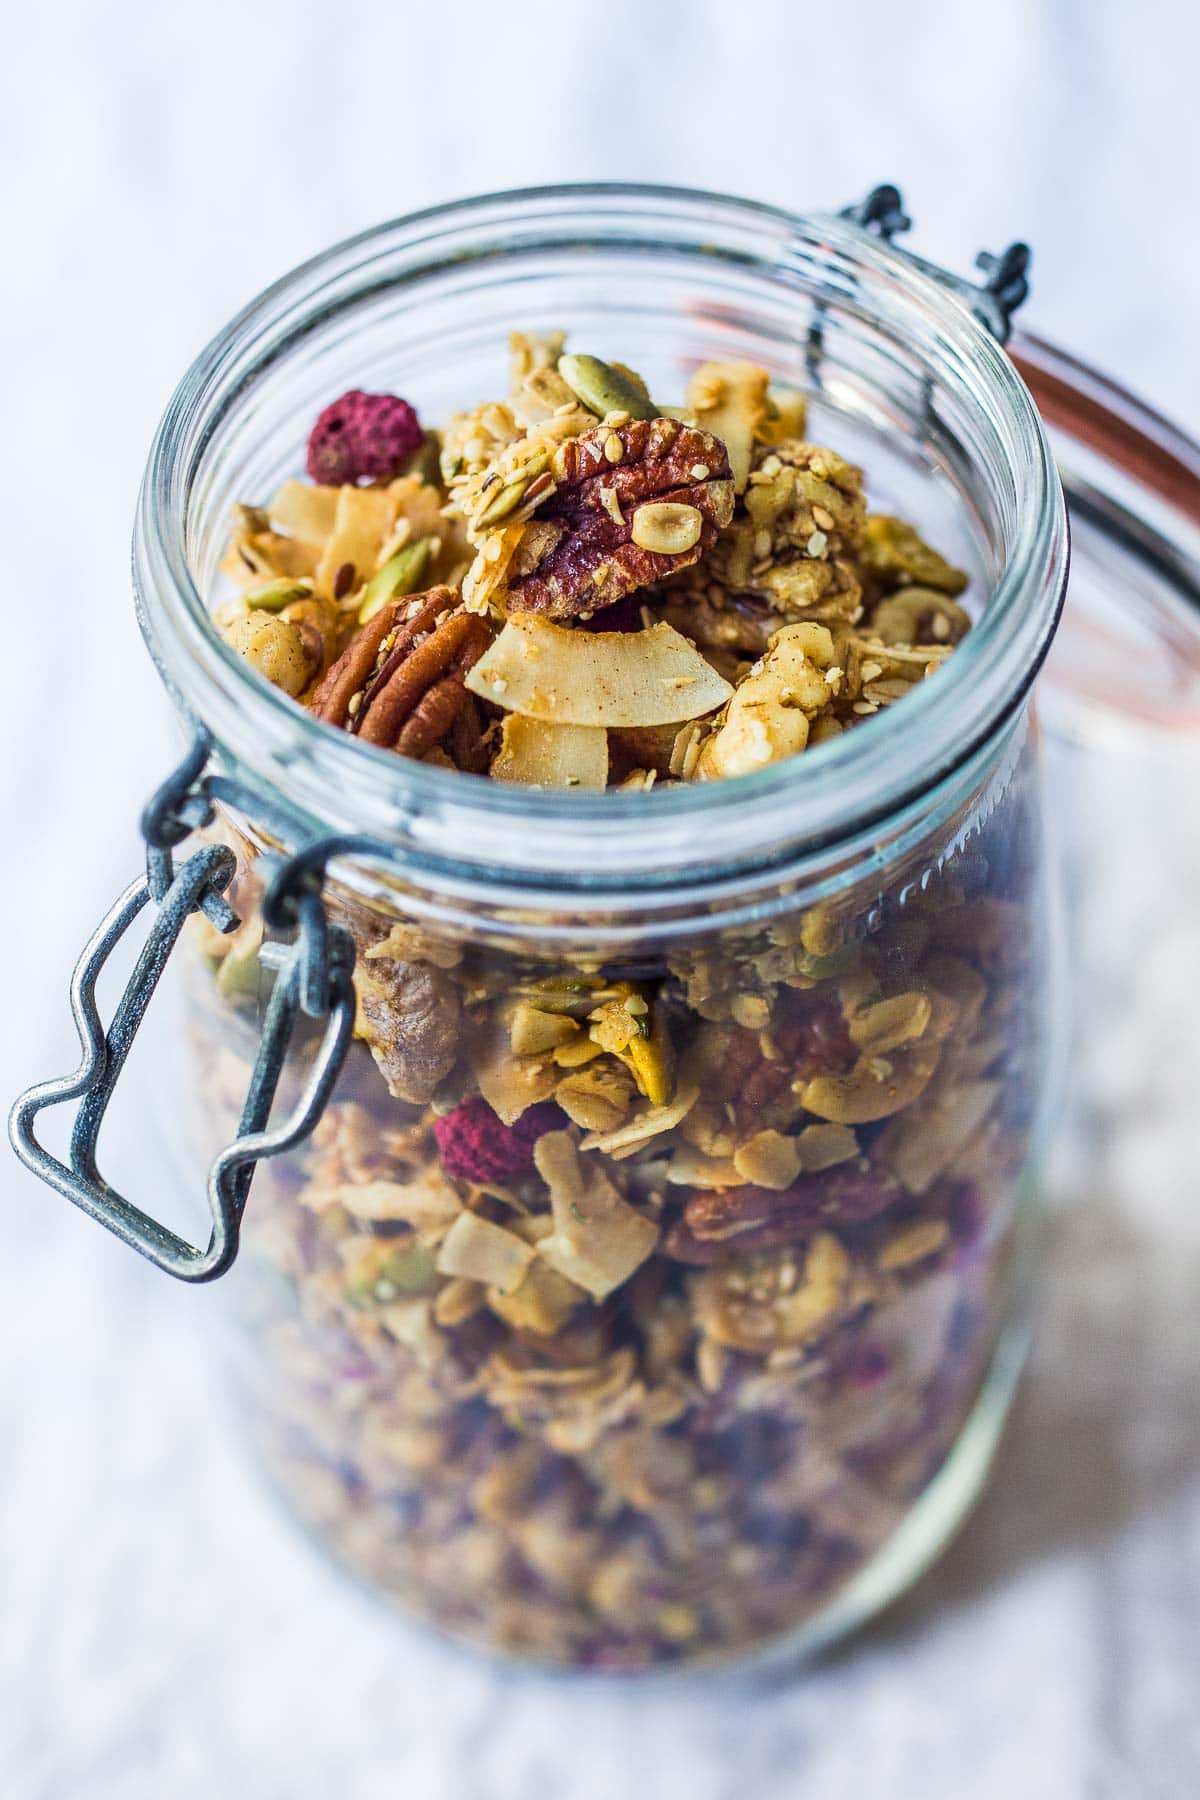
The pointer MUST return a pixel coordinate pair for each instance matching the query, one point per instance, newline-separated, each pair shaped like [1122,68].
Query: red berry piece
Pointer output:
[475,1145]
[362,437]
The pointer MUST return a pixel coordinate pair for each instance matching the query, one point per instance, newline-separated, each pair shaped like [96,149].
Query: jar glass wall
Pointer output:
[704,1352]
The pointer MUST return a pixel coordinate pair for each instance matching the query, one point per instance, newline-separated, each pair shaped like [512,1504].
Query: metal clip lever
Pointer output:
[198,885]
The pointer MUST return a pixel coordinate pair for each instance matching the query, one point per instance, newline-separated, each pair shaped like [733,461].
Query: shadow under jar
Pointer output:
[700,1414]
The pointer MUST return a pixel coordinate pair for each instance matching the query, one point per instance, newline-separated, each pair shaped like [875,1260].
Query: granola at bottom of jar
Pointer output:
[620,1318]
[674,558]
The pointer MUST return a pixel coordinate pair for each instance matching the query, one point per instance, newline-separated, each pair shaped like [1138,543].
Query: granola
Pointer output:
[620,1315]
[608,529]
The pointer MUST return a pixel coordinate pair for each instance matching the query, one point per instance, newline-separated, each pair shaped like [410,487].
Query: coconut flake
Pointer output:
[609,678]
[539,753]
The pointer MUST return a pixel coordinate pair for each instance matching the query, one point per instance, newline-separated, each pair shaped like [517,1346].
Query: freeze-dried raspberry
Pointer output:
[362,437]
[476,1146]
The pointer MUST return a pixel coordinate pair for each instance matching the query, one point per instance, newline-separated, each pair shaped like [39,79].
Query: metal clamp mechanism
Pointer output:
[993,301]
[312,976]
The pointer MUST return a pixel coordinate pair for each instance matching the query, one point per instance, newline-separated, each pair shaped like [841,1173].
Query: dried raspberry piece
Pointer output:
[477,1146]
[362,437]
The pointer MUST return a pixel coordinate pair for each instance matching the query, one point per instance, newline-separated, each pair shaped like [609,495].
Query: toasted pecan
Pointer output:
[736,1221]
[603,477]
[399,684]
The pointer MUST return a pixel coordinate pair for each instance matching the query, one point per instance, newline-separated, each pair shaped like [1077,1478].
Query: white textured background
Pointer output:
[160,1633]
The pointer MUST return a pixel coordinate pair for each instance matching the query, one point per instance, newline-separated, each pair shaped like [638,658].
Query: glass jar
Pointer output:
[760,1289]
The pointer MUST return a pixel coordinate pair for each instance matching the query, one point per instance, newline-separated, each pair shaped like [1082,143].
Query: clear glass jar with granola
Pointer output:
[653,1286]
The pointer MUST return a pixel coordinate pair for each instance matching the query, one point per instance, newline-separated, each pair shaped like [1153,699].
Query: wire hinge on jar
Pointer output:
[993,301]
[312,976]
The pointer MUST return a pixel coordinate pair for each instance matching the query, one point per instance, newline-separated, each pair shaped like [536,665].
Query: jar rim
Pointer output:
[567,842]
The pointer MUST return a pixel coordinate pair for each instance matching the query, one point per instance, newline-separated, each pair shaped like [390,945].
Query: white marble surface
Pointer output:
[162,1634]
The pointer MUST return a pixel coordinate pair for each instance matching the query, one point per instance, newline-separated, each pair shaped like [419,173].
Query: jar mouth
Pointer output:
[328,781]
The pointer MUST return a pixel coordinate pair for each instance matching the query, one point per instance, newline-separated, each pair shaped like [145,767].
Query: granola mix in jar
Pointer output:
[652,1285]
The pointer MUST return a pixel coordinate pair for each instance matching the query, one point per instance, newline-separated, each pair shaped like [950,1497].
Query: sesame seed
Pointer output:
[817,543]
[823,518]
[699,471]
[614,450]
[762,544]
[353,704]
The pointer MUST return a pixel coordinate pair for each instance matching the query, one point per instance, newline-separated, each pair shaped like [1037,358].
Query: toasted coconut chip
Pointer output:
[428,1203]
[307,512]
[543,1303]
[544,753]
[652,1122]
[510,1084]
[730,400]
[532,1031]
[597,1097]
[690,1167]
[598,1239]
[546,671]
[481,1251]
[363,519]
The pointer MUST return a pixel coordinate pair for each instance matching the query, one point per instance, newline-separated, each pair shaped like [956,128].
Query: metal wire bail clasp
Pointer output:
[993,301]
[312,975]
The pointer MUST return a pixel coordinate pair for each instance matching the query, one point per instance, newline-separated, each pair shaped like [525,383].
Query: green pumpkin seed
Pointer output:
[401,574]
[513,492]
[277,594]
[604,389]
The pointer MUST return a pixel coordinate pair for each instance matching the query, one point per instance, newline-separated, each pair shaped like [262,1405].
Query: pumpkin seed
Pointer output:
[277,594]
[604,389]
[401,574]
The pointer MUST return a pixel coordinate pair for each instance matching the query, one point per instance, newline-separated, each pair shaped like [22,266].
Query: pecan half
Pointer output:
[598,549]
[399,684]
[736,1221]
